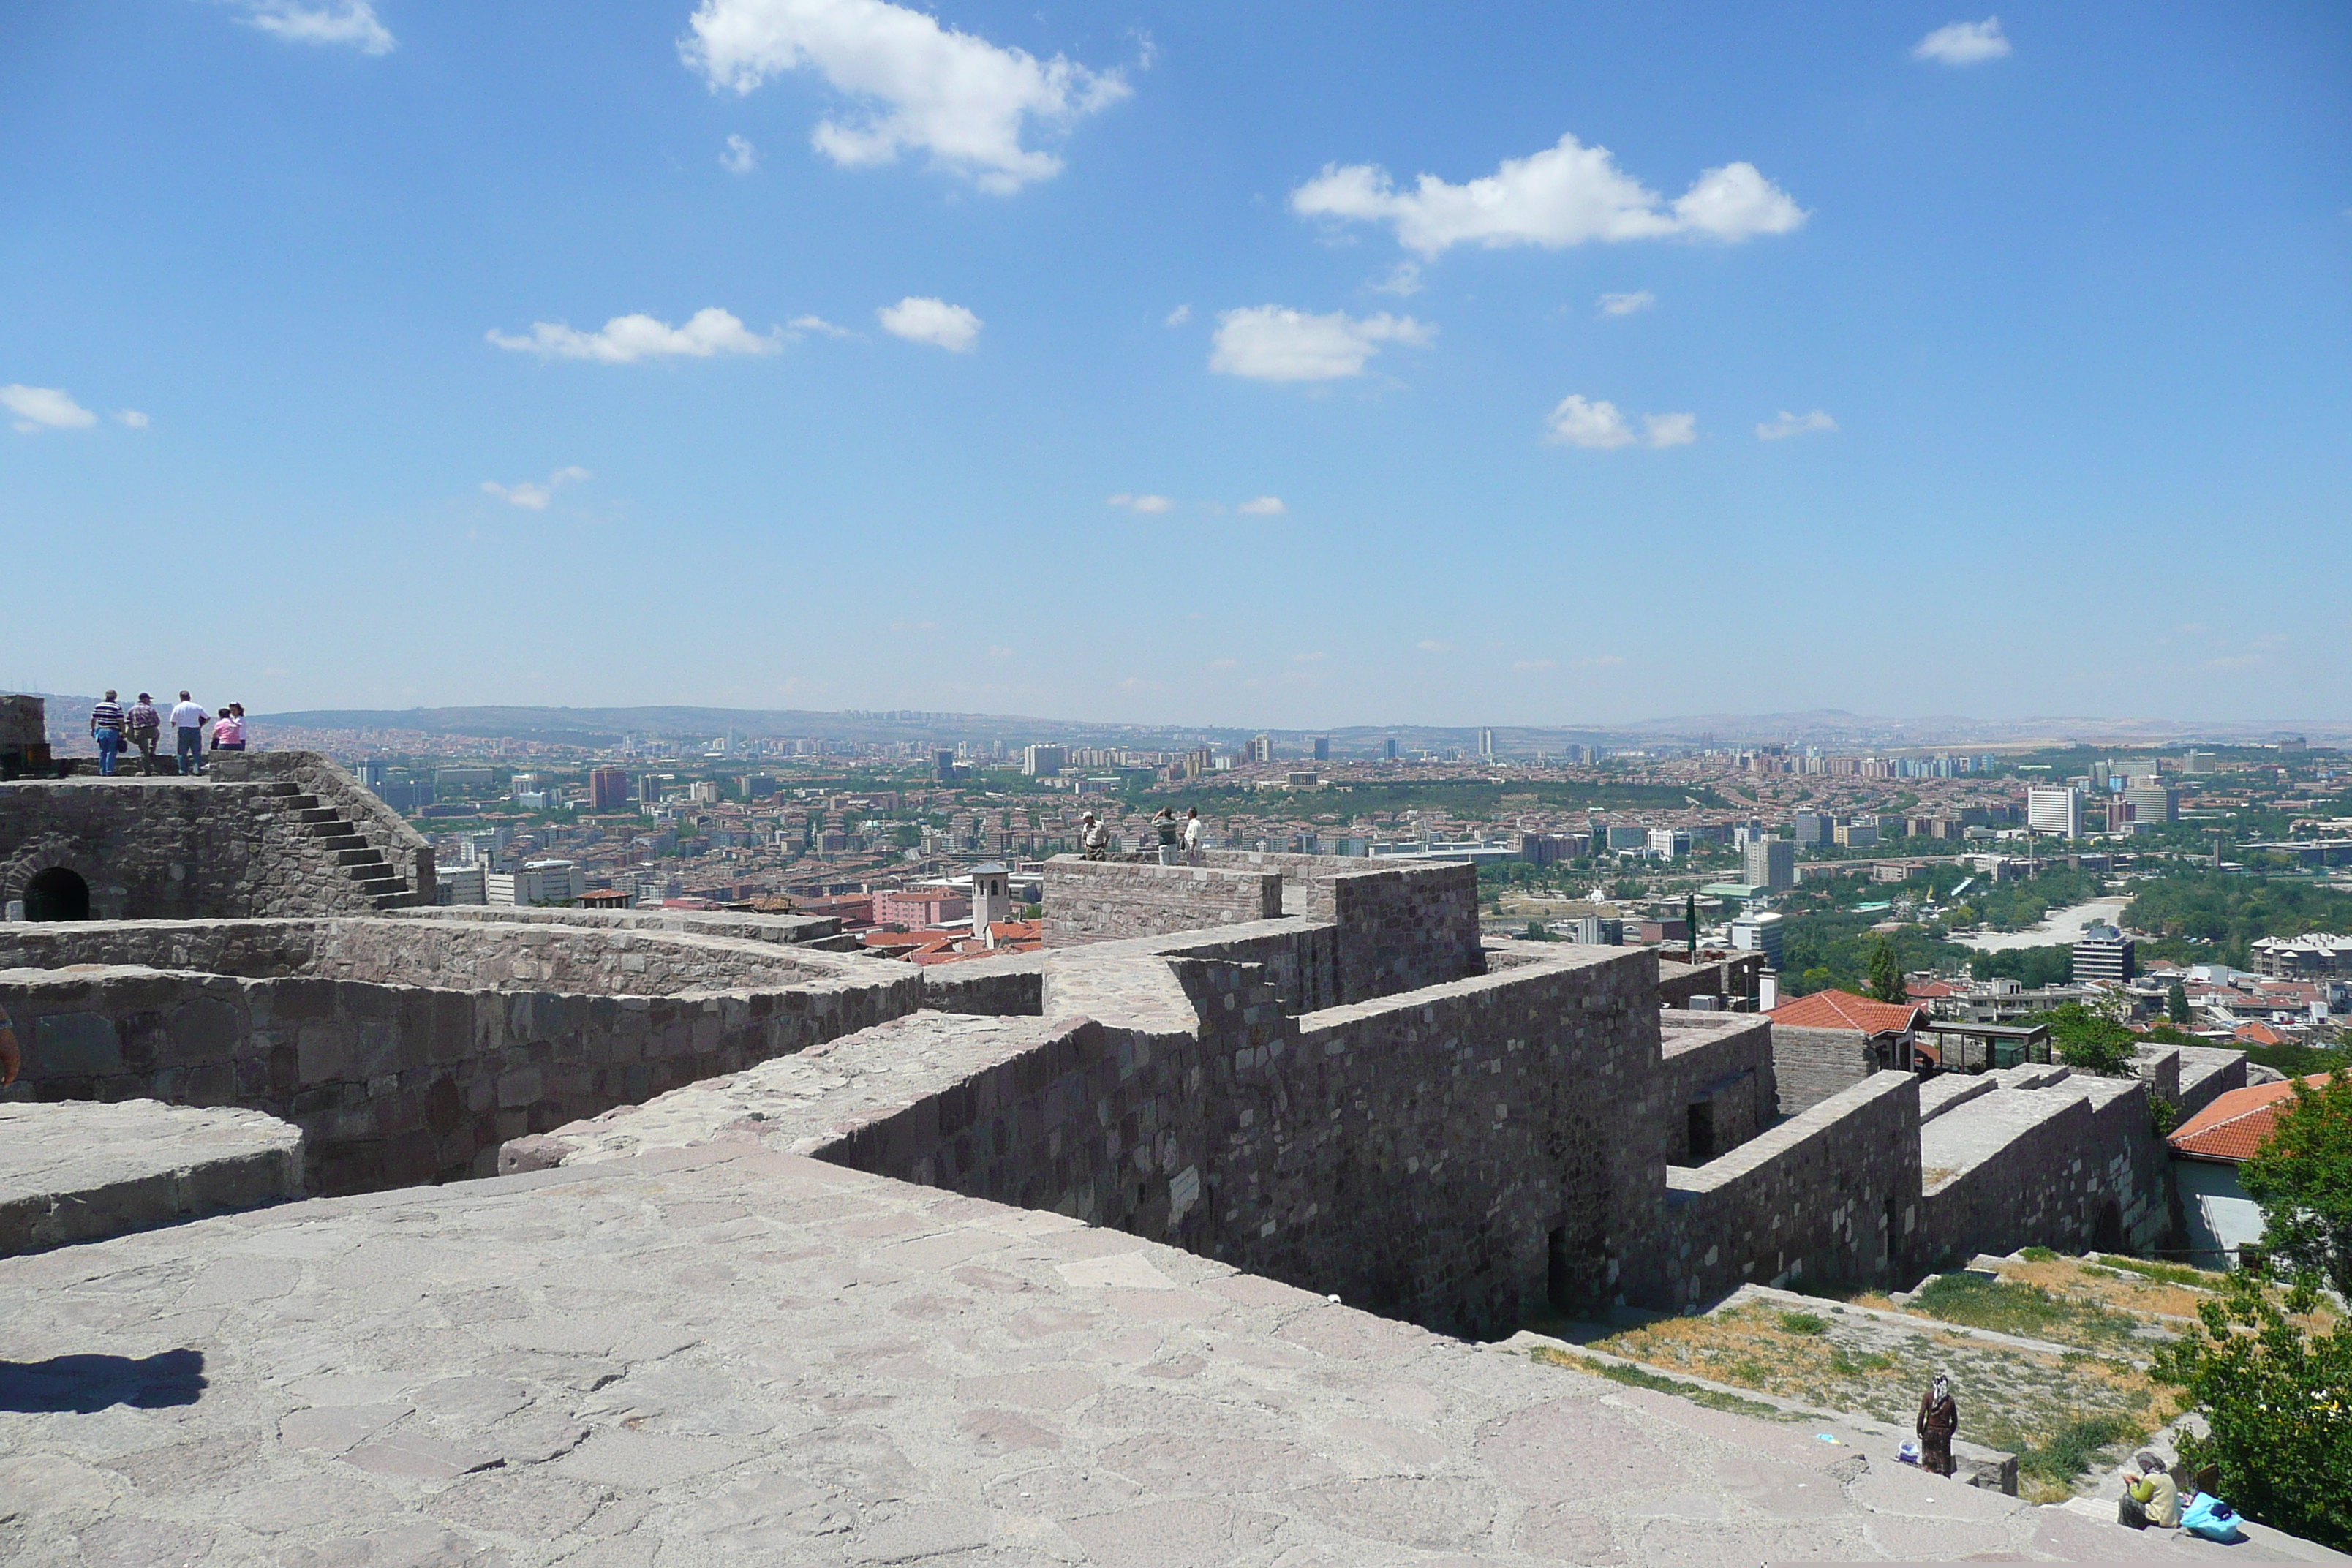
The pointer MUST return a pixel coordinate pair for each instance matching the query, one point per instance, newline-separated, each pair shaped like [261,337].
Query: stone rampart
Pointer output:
[171,849]
[1404,928]
[1716,1082]
[2047,1158]
[1829,1196]
[403,848]
[1106,901]
[450,954]
[1729,979]
[403,1083]
[786,930]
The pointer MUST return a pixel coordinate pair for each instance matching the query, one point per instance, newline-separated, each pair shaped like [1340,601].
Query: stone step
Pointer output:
[308,813]
[299,800]
[362,856]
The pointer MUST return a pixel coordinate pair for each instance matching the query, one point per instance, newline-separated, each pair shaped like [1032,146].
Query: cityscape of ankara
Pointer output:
[840,782]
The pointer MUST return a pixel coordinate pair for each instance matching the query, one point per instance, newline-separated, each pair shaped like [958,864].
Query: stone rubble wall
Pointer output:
[2046,1182]
[1404,928]
[1813,1065]
[1724,1059]
[459,955]
[403,848]
[399,1084]
[1829,1196]
[2207,1073]
[1106,900]
[171,849]
[786,930]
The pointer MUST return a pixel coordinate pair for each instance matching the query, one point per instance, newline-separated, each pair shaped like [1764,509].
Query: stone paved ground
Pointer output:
[79,1171]
[727,1355]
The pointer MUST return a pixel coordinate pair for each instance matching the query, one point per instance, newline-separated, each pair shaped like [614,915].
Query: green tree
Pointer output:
[2277,1404]
[2089,1043]
[2175,1003]
[1885,973]
[2302,1177]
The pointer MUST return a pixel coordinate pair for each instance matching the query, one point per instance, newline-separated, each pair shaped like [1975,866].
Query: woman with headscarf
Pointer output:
[2150,1495]
[1939,1418]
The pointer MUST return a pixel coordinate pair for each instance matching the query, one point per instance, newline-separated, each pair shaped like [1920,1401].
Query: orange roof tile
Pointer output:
[2260,1035]
[1844,1010]
[2234,1126]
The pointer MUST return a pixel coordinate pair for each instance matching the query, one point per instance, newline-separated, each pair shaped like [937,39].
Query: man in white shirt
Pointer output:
[1192,831]
[189,722]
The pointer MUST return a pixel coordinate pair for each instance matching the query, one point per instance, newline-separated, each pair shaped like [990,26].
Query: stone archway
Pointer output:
[29,878]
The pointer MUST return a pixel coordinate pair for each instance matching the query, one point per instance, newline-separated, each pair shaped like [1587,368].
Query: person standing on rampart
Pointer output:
[1164,824]
[189,722]
[106,724]
[1191,832]
[229,733]
[146,730]
[1094,838]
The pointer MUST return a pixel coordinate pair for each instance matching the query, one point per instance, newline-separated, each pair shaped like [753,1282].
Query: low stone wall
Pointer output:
[1106,900]
[83,1171]
[1402,929]
[403,848]
[1730,979]
[1829,1196]
[2207,1073]
[399,1084]
[170,848]
[785,930]
[459,955]
[1810,1066]
[1715,1080]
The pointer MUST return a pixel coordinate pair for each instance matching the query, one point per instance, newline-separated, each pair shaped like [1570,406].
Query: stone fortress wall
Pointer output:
[1321,1075]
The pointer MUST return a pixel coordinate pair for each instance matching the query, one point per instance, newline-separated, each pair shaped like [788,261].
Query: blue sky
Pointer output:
[1165,362]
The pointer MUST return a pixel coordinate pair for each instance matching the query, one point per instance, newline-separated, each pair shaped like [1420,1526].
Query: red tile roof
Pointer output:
[2260,1035]
[2234,1126]
[1928,990]
[1844,1010]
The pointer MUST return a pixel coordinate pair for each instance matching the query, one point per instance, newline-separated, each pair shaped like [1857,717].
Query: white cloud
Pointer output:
[1309,658]
[1670,430]
[1223,663]
[740,157]
[1179,315]
[817,324]
[1268,343]
[925,321]
[624,339]
[1576,422]
[999,653]
[1563,195]
[1790,424]
[351,22]
[1403,281]
[1264,506]
[533,497]
[1431,645]
[1151,505]
[43,407]
[132,418]
[1963,43]
[1529,666]
[958,97]
[1626,304]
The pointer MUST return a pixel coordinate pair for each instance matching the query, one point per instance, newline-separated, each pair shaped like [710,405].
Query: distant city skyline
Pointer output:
[1296,367]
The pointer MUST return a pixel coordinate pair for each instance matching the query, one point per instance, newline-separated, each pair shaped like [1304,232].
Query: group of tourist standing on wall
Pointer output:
[142,726]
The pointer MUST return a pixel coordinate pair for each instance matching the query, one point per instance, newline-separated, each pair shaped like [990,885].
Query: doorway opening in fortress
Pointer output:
[2108,1231]
[57,894]
[1700,1121]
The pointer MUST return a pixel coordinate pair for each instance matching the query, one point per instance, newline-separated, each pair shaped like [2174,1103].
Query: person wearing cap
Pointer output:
[146,730]
[2151,1495]
[1940,1419]
[106,729]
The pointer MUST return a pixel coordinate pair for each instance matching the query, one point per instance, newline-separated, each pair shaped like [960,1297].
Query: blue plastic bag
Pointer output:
[2212,1518]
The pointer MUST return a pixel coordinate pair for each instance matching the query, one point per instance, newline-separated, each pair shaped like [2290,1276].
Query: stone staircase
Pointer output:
[339,839]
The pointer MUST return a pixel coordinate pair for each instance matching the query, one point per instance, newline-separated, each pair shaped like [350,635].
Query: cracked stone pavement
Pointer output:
[726,1355]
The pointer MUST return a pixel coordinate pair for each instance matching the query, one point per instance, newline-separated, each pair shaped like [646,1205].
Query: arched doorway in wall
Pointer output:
[2107,1227]
[57,894]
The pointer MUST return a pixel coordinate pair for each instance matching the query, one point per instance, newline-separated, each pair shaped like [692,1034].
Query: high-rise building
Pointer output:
[1771,863]
[1388,749]
[1322,748]
[608,789]
[2152,802]
[374,772]
[2055,808]
[1485,743]
[1759,932]
[1813,827]
[2103,953]
[1261,749]
[943,765]
[1041,761]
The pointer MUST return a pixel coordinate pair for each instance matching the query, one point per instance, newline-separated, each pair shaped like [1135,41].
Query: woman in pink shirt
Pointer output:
[228,730]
